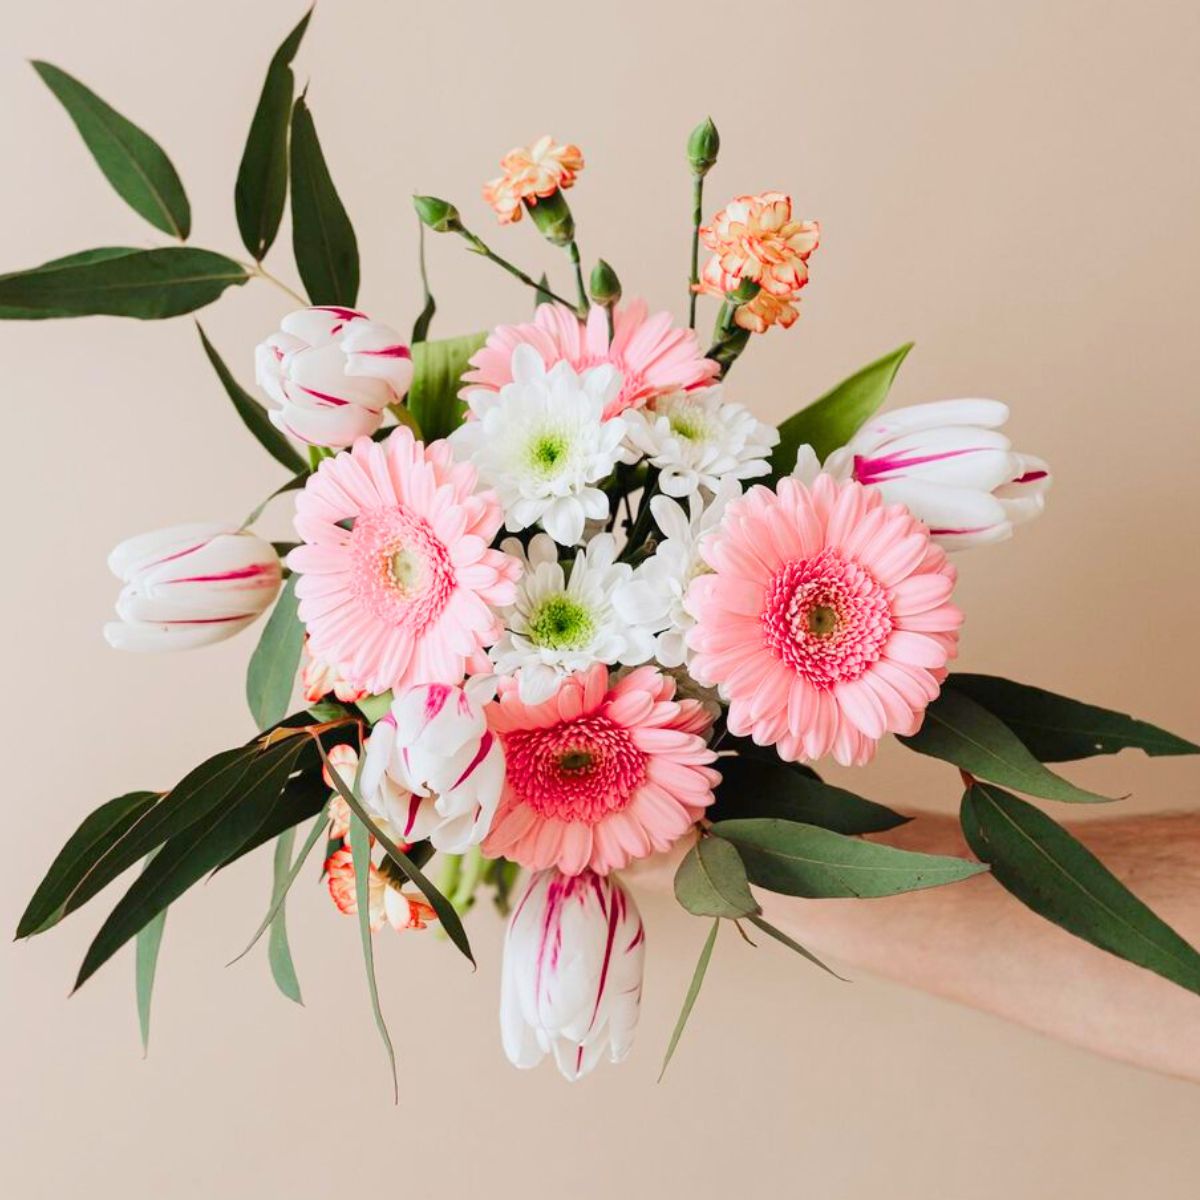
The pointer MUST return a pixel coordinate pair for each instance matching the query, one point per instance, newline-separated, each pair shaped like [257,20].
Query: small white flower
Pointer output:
[696,439]
[541,442]
[557,626]
[654,598]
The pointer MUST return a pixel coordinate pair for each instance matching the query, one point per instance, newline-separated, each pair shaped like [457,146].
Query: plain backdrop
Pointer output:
[1013,186]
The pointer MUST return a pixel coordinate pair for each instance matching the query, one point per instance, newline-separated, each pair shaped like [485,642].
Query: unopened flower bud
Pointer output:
[704,143]
[440,215]
[745,291]
[604,286]
[552,216]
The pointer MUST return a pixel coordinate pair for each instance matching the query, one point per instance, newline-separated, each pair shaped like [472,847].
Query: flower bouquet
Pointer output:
[558,601]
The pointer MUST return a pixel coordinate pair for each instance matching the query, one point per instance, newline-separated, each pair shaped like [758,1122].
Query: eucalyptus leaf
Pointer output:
[116,281]
[804,860]
[711,881]
[271,675]
[323,240]
[294,484]
[149,942]
[279,952]
[689,1001]
[832,420]
[792,944]
[1052,873]
[420,330]
[132,161]
[438,368]
[303,796]
[1057,729]
[262,179]
[254,415]
[959,731]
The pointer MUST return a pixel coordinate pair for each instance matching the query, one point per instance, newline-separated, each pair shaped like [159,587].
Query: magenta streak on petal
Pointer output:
[875,470]
[549,921]
[200,620]
[387,352]
[598,888]
[485,744]
[178,554]
[608,948]
[1032,476]
[225,576]
[347,314]
[638,938]
[435,699]
[956,532]
[324,397]
[414,807]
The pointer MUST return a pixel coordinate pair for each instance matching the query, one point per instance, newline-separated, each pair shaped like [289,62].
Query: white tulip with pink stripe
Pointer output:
[572,975]
[190,585]
[433,768]
[949,465]
[330,373]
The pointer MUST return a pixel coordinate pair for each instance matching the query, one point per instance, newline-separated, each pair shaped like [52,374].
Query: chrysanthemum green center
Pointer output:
[547,452]
[561,623]
[687,424]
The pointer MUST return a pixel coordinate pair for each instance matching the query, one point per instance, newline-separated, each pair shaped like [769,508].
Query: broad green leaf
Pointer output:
[1045,868]
[360,851]
[323,240]
[192,852]
[149,941]
[254,415]
[115,281]
[757,787]
[279,953]
[132,161]
[262,179]
[294,484]
[803,860]
[276,659]
[838,415]
[959,731]
[438,368]
[100,831]
[303,797]
[711,881]
[420,330]
[792,944]
[689,1001]
[444,909]
[1056,729]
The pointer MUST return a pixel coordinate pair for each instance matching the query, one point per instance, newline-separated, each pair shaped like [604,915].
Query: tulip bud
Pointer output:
[704,143]
[552,215]
[604,286]
[440,215]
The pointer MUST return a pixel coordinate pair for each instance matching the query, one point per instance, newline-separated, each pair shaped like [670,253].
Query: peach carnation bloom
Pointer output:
[401,910]
[654,358]
[397,573]
[756,237]
[530,173]
[764,311]
[826,622]
[319,679]
[601,773]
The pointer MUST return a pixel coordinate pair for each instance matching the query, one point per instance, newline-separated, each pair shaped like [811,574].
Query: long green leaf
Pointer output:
[303,797]
[803,860]
[444,909]
[792,944]
[294,484]
[756,787]
[323,240]
[1057,729]
[149,942]
[711,881]
[276,659]
[838,415]
[261,189]
[689,1001]
[1045,868]
[438,368]
[115,281]
[100,831]
[360,850]
[132,161]
[959,731]
[253,415]
[279,952]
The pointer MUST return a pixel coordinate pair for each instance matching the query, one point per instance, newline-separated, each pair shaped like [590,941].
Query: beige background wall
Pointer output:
[1014,186]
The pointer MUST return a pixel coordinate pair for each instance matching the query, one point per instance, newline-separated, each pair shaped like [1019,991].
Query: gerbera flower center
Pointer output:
[399,568]
[580,770]
[561,623]
[826,617]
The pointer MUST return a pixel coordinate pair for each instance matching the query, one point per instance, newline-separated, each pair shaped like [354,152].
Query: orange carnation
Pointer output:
[531,173]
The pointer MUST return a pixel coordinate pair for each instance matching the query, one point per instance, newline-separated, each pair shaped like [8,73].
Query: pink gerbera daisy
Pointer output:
[398,573]
[653,357]
[598,775]
[826,621]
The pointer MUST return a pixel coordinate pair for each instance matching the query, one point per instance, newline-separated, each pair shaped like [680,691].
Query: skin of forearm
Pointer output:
[974,943]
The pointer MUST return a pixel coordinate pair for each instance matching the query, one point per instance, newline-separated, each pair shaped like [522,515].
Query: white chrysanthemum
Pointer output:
[542,442]
[654,598]
[696,439]
[558,625]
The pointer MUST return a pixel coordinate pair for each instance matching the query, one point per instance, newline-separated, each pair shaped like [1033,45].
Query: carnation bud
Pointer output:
[704,143]
[552,215]
[604,286]
[440,215]
[745,291]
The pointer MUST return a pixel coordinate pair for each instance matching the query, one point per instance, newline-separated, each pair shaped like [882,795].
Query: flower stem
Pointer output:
[641,524]
[728,339]
[697,217]
[573,251]
[260,272]
[479,246]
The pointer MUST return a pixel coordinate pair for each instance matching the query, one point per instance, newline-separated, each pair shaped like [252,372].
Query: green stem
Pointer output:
[479,246]
[641,524]
[573,251]
[697,217]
